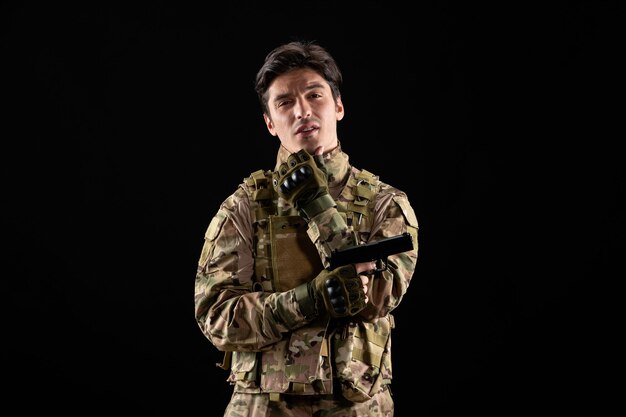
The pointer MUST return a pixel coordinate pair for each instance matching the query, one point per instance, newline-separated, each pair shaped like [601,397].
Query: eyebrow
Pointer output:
[312,86]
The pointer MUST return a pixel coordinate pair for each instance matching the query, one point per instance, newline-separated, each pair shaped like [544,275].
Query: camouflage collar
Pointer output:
[336,162]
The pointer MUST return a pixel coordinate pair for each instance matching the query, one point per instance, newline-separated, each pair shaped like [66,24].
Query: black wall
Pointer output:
[126,125]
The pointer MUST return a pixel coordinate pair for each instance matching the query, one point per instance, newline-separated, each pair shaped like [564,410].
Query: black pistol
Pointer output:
[374,251]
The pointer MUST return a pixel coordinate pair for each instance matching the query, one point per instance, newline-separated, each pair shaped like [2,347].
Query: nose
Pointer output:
[302,109]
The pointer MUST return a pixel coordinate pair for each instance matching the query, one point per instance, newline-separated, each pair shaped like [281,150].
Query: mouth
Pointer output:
[305,130]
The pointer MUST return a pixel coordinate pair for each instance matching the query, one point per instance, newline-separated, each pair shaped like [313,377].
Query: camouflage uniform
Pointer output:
[257,251]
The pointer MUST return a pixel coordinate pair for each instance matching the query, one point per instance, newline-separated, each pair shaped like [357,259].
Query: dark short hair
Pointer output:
[294,55]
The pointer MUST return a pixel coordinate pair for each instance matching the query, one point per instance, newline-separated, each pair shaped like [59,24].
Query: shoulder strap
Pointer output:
[259,188]
[361,189]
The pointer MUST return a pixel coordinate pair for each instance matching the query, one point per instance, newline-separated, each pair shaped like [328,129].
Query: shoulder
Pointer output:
[401,200]
[363,177]
[237,208]
[257,184]
[387,196]
[250,189]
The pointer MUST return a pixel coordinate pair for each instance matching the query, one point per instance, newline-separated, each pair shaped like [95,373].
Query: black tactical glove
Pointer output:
[302,181]
[338,292]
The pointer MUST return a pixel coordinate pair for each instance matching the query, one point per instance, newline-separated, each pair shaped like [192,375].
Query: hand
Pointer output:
[302,179]
[341,292]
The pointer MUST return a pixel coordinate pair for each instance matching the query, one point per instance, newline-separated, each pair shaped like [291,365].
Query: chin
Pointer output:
[309,145]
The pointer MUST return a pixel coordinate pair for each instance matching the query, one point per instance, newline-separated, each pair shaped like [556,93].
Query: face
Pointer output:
[302,112]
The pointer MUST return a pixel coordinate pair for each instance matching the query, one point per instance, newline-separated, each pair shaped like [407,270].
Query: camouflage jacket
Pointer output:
[245,301]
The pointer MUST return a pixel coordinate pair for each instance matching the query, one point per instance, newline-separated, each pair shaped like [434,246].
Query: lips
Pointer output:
[306,129]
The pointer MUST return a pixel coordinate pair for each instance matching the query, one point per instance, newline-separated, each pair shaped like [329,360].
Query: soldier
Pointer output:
[300,339]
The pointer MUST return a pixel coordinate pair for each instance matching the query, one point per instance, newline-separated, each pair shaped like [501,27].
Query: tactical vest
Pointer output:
[285,256]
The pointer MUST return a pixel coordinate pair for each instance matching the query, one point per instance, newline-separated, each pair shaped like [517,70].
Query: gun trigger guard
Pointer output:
[381,268]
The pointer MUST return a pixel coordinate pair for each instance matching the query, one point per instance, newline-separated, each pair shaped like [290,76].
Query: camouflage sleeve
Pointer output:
[229,312]
[394,215]
[328,231]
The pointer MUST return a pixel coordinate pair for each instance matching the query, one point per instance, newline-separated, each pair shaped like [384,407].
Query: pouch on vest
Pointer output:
[362,358]
[295,259]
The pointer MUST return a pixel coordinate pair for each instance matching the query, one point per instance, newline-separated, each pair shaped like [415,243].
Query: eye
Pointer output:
[283,103]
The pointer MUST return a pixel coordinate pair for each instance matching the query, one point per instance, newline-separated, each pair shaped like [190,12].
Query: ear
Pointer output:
[269,124]
[339,110]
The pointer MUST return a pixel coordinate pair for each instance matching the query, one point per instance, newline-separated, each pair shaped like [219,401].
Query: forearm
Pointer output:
[386,289]
[248,321]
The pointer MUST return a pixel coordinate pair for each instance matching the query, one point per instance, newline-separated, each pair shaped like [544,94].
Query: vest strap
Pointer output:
[367,356]
[226,361]
[274,396]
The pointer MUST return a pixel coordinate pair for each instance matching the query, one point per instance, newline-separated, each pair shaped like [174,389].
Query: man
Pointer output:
[301,339]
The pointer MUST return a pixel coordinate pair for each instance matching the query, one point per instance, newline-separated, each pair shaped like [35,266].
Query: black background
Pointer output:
[125,125]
